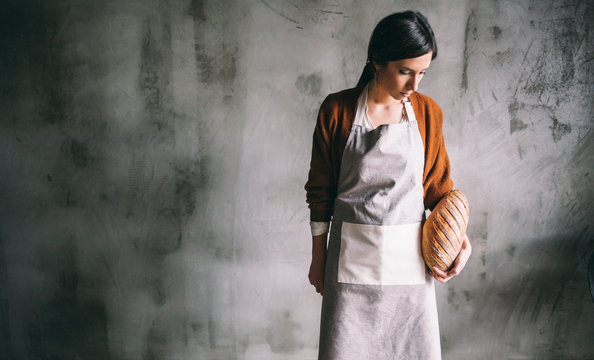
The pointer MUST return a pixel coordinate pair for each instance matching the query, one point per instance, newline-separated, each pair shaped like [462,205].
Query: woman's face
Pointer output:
[401,77]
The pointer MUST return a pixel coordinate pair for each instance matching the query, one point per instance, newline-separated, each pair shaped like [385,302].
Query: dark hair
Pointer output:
[398,36]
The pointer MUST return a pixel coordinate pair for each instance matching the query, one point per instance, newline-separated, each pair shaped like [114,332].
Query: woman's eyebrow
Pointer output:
[407,68]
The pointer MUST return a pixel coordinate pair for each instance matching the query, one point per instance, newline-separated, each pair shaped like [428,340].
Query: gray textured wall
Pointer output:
[153,155]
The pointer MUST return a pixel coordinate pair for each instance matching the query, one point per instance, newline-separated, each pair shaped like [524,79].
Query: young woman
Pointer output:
[378,161]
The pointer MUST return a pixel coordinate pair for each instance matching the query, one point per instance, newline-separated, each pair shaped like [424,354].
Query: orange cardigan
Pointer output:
[333,127]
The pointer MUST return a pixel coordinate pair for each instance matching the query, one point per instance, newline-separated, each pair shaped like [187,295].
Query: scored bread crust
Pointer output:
[443,232]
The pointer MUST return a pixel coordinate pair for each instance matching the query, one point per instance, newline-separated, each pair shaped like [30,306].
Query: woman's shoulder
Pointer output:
[426,110]
[337,111]
[428,113]
[424,101]
[341,99]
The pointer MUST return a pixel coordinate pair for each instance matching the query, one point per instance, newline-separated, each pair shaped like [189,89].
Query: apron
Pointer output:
[379,300]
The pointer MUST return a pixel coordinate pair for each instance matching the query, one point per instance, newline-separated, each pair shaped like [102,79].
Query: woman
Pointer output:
[378,161]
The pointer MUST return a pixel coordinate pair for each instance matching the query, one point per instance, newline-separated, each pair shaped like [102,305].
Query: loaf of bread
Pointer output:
[443,232]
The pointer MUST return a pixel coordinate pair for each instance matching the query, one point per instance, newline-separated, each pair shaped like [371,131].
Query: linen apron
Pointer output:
[379,300]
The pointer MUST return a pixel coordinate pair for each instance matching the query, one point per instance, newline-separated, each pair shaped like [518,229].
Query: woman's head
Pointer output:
[398,36]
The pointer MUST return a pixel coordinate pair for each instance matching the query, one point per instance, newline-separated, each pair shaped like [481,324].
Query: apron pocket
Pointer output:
[381,255]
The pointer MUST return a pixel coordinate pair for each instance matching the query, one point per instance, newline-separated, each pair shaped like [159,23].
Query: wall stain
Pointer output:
[155,72]
[68,325]
[196,10]
[219,67]
[309,84]
[495,32]
[156,193]
[228,66]
[567,41]
[303,14]
[205,63]
[546,76]
[188,182]
[452,298]
[483,258]
[215,246]
[558,129]
[521,151]
[157,344]
[470,35]
[79,153]
[478,228]
[330,12]
[515,123]
[503,57]
[172,202]
[152,281]
[279,13]
[55,65]
[139,177]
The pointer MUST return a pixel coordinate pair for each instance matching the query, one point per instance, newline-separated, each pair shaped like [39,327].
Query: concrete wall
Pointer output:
[153,155]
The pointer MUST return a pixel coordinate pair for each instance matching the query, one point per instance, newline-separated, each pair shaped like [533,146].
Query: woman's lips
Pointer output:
[406,94]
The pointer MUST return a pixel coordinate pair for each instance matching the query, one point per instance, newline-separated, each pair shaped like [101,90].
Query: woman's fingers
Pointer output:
[316,277]
[319,286]
[439,275]
[463,257]
[458,265]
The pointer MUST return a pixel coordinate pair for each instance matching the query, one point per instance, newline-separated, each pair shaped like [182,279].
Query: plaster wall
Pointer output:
[153,157]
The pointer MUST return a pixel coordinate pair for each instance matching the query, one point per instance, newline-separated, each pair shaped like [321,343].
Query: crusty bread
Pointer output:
[443,232]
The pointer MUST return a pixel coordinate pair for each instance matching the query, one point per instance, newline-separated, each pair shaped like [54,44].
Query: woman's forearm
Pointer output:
[318,261]
[318,246]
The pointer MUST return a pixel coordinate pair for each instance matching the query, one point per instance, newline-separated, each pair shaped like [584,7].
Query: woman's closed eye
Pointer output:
[408,72]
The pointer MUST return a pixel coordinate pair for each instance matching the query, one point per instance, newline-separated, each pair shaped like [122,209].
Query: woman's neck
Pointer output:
[382,108]
[377,95]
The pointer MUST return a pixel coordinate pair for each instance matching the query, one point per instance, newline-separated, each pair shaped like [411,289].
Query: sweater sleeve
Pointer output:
[321,184]
[437,182]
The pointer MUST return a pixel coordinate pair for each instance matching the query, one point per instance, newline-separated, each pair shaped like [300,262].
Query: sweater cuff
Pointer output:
[319,227]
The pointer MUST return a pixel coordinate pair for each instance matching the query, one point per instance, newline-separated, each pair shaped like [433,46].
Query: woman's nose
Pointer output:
[413,83]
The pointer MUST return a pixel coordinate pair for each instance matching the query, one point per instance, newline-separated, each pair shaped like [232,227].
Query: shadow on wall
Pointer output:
[69,325]
[542,282]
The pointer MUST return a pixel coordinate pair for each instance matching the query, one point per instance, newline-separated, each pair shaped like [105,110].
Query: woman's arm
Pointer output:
[320,192]
[437,182]
[321,184]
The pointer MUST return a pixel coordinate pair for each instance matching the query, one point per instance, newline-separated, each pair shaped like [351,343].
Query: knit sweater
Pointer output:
[332,130]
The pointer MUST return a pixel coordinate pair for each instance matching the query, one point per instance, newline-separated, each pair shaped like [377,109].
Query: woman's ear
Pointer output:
[379,68]
[376,66]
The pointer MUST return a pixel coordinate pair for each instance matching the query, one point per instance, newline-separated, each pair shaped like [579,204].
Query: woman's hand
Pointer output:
[458,265]
[318,263]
